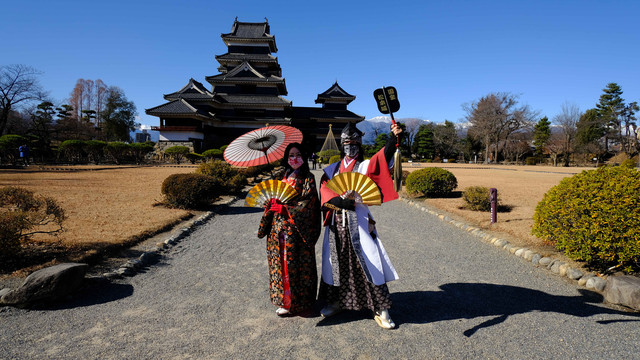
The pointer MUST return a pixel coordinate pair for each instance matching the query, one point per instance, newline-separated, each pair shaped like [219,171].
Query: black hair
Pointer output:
[304,168]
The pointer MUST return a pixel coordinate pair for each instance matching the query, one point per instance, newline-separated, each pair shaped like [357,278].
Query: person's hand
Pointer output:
[277,206]
[396,129]
[347,204]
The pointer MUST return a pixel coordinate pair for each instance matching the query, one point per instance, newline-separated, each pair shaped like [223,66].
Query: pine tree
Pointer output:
[541,135]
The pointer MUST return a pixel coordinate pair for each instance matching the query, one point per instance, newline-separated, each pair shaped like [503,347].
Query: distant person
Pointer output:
[314,160]
[24,154]
[292,230]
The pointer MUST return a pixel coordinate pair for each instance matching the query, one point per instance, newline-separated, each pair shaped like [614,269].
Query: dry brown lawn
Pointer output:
[105,205]
[112,205]
[520,188]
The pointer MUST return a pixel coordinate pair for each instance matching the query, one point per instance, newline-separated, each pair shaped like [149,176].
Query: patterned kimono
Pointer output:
[355,265]
[291,244]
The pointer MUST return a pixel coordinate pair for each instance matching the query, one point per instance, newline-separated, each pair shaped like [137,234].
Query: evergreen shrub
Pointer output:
[326,155]
[213,154]
[431,182]
[194,157]
[231,180]
[477,198]
[531,160]
[190,191]
[177,153]
[594,217]
[334,158]
[629,163]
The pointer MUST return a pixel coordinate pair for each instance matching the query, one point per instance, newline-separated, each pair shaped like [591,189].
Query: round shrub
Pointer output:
[531,160]
[190,191]
[477,198]
[213,154]
[177,153]
[431,182]
[334,158]
[217,168]
[194,157]
[594,217]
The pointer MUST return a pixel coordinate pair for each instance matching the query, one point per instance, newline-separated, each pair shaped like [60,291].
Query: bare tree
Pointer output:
[101,100]
[555,147]
[18,85]
[568,121]
[495,117]
[77,99]
[518,145]
[412,129]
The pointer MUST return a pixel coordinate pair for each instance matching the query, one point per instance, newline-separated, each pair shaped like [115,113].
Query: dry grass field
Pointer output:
[105,206]
[108,206]
[520,188]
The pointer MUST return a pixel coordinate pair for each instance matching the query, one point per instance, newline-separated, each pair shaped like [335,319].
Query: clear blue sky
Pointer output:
[438,54]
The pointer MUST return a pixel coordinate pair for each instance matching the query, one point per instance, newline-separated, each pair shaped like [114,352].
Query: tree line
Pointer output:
[94,111]
[499,130]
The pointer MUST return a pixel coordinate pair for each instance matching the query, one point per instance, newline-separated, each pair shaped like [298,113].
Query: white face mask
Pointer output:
[351,150]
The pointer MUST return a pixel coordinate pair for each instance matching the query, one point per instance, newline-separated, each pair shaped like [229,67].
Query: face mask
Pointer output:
[351,150]
[295,162]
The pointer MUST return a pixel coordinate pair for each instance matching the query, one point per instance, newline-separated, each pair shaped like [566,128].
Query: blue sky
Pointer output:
[438,54]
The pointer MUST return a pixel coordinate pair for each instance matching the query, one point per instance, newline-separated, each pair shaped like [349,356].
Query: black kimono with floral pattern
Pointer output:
[302,230]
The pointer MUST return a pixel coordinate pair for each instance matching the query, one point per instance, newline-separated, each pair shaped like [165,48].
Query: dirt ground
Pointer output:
[520,188]
[111,205]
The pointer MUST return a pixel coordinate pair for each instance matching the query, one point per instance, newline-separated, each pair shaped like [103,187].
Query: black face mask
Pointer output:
[351,150]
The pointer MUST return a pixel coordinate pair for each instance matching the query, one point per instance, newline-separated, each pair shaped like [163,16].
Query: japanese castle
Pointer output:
[247,94]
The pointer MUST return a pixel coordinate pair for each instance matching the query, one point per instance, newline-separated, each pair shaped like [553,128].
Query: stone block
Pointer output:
[623,290]
[46,284]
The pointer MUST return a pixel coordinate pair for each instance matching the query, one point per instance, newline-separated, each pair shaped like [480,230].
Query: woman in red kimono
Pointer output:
[293,229]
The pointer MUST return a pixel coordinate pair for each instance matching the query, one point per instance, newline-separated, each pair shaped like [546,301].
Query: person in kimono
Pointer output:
[355,265]
[292,230]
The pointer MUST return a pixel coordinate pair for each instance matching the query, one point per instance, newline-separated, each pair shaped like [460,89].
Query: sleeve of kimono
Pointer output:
[378,171]
[266,224]
[306,211]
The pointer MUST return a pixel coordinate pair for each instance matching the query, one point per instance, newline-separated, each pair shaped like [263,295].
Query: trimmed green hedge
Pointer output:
[477,198]
[594,217]
[431,182]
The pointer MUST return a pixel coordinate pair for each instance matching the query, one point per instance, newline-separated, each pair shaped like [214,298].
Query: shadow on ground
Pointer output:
[93,292]
[472,300]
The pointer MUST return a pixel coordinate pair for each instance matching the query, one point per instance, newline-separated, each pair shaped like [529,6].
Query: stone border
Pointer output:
[608,285]
[148,258]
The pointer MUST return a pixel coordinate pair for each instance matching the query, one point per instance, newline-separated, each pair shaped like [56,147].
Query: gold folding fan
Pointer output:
[359,183]
[267,190]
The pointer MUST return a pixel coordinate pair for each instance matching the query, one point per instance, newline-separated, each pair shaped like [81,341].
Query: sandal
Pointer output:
[384,323]
[282,311]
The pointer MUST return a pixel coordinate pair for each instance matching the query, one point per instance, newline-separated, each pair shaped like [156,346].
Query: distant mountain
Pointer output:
[377,125]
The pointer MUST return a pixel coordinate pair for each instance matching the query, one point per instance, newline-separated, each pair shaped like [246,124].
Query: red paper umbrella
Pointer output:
[261,146]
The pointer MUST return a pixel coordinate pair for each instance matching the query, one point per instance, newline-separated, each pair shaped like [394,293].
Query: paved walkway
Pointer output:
[207,298]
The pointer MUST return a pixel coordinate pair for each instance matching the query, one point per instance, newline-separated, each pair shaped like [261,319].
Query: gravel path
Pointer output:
[207,298]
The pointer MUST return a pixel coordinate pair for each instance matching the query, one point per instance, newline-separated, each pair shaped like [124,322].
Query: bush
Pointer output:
[213,154]
[72,150]
[594,217]
[177,153]
[194,157]
[334,158]
[9,146]
[326,155]
[405,173]
[431,182]
[531,160]
[141,150]
[118,151]
[230,179]
[22,214]
[477,198]
[629,163]
[190,191]
[95,150]
[217,168]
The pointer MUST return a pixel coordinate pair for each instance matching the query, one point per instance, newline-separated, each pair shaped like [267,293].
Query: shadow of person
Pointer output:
[237,210]
[471,300]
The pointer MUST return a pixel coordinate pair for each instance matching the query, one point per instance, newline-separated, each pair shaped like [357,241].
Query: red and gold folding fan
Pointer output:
[267,190]
[360,184]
